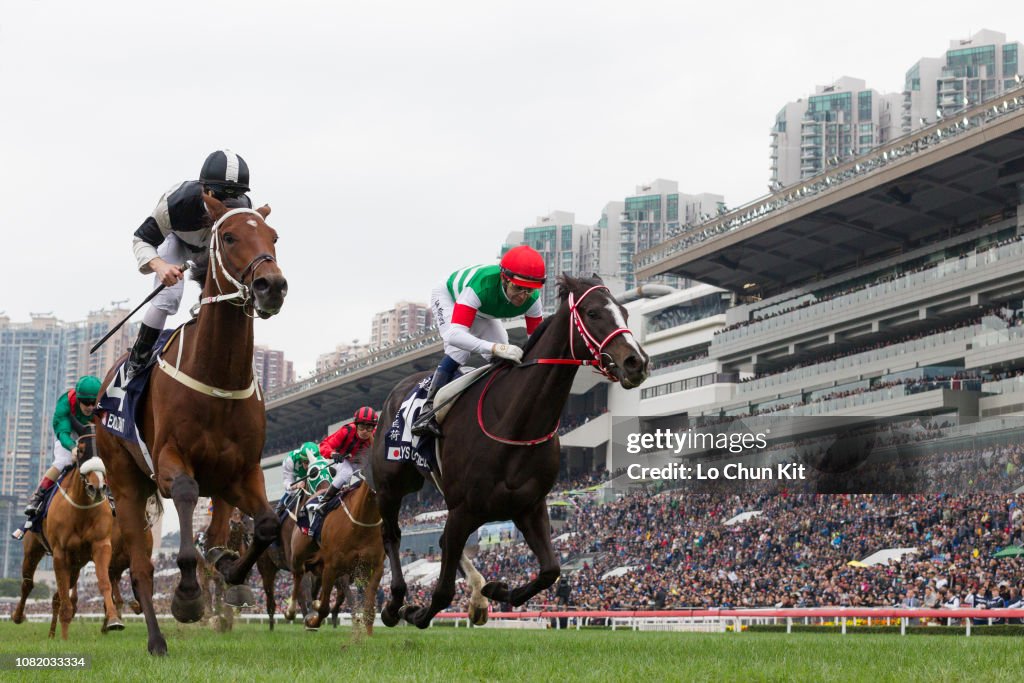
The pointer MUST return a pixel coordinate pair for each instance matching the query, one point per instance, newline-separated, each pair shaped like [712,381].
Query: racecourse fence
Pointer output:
[693,620]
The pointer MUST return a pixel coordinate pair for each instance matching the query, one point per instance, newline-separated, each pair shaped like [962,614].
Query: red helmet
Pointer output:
[524,267]
[365,415]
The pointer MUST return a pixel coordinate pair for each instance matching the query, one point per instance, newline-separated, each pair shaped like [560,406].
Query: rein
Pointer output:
[595,347]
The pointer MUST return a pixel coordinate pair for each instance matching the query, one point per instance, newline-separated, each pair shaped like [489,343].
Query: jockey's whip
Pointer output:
[188,265]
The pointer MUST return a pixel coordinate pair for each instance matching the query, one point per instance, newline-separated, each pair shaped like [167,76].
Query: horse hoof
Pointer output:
[390,618]
[187,610]
[18,618]
[495,590]
[478,615]
[114,626]
[240,596]
[316,605]
[311,623]
[158,647]
[135,606]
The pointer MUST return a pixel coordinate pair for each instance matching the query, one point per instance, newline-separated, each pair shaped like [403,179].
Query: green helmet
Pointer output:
[310,450]
[88,388]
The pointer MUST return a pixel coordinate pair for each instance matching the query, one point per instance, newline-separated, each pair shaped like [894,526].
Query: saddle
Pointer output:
[35,523]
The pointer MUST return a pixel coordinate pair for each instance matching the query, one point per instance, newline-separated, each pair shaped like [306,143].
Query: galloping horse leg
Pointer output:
[34,552]
[268,572]
[328,576]
[62,570]
[453,540]
[131,513]
[101,559]
[477,602]
[370,597]
[536,528]
[344,595]
[187,603]
[55,609]
[249,496]
[392,536]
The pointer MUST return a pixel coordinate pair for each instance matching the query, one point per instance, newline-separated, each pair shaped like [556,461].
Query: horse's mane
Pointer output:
[202,261]
[566,284]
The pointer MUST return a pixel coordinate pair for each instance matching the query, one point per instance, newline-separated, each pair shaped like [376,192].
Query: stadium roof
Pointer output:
[911,190]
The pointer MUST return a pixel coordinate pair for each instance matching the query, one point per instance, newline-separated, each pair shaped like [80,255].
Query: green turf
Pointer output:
[250,652]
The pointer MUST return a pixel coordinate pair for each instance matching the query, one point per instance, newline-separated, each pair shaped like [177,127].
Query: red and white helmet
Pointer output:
[365,415]
[524,267]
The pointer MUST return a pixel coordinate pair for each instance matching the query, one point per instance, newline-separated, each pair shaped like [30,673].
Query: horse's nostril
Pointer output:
[632,363]
[261,285]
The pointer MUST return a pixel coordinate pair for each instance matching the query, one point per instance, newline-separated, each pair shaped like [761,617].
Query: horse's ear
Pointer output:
[214,207]
[264,211]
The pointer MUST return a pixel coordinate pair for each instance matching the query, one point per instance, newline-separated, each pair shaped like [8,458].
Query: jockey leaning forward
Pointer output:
[344,446]
[294,470]
[178,229]
[79,403]
[468,310]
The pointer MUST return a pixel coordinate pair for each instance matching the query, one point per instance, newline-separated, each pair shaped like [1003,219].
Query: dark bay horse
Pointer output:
[77,527]
[350,547]
[203,420]
[500,454]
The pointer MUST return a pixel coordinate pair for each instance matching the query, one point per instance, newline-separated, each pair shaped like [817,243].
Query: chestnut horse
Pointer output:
[77,527]
[499,457]
[203,419]
[351,547]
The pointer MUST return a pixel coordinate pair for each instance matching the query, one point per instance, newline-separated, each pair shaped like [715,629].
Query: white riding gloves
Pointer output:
[508,352]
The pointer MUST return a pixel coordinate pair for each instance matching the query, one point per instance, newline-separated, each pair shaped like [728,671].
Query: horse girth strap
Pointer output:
[194,384]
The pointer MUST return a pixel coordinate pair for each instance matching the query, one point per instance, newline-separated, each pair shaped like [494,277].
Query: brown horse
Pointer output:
[203,420]
[499,457]
[350,545]
[77,528]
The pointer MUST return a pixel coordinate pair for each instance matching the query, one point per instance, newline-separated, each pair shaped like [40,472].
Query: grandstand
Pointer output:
[886,293]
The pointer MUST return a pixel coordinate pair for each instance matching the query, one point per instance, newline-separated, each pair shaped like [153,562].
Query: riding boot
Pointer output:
[141,351]
[37,499]
[426,422]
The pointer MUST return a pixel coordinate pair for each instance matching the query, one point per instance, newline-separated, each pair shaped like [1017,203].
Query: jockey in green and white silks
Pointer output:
[78,403]
[303,471]
[468,309]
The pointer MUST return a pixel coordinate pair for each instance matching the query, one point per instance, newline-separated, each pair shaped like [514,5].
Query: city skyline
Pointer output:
[395,152]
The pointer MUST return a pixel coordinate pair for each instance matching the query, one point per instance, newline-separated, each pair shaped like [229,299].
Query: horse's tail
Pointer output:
[154,509]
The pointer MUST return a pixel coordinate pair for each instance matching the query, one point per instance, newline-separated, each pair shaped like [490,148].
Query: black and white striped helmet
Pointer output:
[225,173]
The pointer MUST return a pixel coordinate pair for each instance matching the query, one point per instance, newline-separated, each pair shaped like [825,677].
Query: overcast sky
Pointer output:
[398,141]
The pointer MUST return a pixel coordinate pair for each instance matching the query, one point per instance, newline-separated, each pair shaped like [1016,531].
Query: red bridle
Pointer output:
[595,347]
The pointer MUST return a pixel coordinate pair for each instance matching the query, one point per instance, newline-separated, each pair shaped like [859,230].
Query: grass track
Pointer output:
[250,652]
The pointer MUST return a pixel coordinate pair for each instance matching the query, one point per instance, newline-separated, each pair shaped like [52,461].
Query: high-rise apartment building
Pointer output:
[272,369]
[836,123]
[405,320]
[974,70]
[341,354]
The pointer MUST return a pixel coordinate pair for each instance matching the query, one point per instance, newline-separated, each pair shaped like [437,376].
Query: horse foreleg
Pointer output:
[62,571]
[391,534]
[536,528]
[344,595]
[323,608]
[187,603]
[453,541]
[55,610]
[268,572]
[369,606]
[101,559]
[34,552]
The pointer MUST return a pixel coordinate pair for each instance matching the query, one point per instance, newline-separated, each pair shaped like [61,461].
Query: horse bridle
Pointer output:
[242,292]
[96,498]
[593,345]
